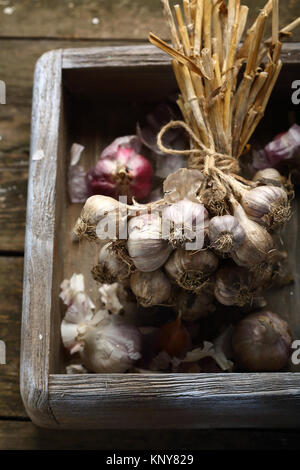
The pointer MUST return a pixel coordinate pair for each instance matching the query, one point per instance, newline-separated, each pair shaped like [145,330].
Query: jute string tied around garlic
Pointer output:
[201,158]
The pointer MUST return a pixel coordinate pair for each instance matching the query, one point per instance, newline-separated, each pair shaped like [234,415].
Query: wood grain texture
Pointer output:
[141,55]
[11,279]
[38,272]
[117,19]
[183,401]
[17,67]
[24,435]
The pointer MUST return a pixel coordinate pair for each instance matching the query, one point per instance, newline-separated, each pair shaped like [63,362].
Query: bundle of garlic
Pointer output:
[212,234]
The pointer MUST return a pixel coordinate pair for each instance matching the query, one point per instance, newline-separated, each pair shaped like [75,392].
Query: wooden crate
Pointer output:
[91,96]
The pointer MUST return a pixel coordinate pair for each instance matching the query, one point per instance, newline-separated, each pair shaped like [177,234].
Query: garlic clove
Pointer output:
[262,342]
[226,233]
[268,177]
[151,288]
[145,245]
[268,206]
[257,244]
[190,269]
[174,338]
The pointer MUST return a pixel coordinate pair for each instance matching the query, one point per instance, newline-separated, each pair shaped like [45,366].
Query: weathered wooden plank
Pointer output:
[15,119]
[176,401]
[40,240]
[106,19]
[11,274]
[26,436]
[83,19]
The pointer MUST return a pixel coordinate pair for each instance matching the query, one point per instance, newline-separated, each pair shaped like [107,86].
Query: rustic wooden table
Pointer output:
[28,28]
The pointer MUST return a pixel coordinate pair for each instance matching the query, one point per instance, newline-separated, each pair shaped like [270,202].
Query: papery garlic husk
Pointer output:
[268,206]
[257,244]
[183,184]
[261,342]
[190,269]
[110,345]
[102,218]
[268,177]
[234,286]
[213,350]
[185,222]
[193,307]
[226,233]
[110,268]
[151,288]
[146,247]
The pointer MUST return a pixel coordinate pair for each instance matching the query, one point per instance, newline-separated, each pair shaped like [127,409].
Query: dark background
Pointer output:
[27,29]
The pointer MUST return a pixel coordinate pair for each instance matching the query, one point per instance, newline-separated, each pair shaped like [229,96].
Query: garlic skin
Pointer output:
[226,233]
[268,206]
[261,342]
[110,345]
[102,218]
[183,222]
[110,268]
[193,307]
[234,286]
[190,269]
[145,245]
[151,288]
[268,177]
[183,184]
[257,244]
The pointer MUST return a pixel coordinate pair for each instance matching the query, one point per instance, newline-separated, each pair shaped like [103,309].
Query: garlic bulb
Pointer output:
[146,247]
[191,268]
[267,205]
[257,244]
[262,342]
[226,233]
[183,222]
[234,286]
[110,345]
[192,307]
[269,177]
[110,268]
[106,343]
[102,218]
[151,288]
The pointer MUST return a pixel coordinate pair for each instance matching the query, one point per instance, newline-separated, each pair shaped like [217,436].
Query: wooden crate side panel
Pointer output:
[139,55]
[40,235]
[174,401]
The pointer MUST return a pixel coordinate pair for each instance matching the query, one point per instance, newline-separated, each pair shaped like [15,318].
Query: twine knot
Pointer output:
[201,158]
